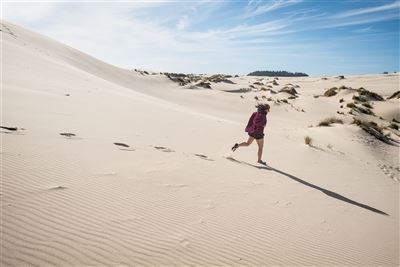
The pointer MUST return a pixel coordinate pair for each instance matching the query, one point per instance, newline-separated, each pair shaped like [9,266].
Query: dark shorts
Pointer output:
[257,135]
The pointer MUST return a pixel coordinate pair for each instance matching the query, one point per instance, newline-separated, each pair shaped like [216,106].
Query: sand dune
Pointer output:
[112,167]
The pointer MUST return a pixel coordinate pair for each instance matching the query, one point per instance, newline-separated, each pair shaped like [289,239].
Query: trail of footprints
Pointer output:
[121,146]
[392,172]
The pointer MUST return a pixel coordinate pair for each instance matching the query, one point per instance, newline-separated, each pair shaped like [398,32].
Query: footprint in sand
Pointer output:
[203,157]
[121,144]
[392,172]
[11,130]
[176,186]
[163,149]
[69,135]
[124,147]
[58,188]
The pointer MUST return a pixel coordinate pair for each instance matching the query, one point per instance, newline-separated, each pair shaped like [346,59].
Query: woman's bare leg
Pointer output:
[260,143]
[248,142]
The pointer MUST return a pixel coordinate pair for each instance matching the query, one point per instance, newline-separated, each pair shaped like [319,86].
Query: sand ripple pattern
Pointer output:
[56,213]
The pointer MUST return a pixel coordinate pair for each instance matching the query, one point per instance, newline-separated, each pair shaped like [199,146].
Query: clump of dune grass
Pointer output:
[394,126]
[289,90]
[366,109]
[331,92]
[370,95]
[351,105]
[360,98]
[367,105]
[394,95]
[373,129]
[308,140]
[328,121]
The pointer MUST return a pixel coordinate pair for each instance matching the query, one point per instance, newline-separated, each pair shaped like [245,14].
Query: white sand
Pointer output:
[85,201]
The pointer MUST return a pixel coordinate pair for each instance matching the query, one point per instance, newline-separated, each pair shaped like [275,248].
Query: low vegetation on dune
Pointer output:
[367,105]
[351,105]
[394,126]
[185,79]
[365,108]
[374,129]
[218,78]
[359,98]
[328,121]
[331,92]
[206,85]
[364,95]
[369,95]
[308,140]
[290,90]
[395,95]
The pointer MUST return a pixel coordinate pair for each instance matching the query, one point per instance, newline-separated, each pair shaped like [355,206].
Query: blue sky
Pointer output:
[232,37]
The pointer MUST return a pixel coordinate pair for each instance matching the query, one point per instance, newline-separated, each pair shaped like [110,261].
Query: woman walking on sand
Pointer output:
[255,129]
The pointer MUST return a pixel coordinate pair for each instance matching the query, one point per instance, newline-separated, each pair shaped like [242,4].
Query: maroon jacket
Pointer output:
[256,123]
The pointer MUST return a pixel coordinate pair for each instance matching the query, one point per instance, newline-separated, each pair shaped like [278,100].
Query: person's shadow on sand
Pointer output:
[323,190]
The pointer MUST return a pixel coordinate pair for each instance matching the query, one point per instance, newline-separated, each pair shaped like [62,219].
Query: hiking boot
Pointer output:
[235,147]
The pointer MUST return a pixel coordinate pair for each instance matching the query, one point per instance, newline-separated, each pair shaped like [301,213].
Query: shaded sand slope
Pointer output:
[166,193]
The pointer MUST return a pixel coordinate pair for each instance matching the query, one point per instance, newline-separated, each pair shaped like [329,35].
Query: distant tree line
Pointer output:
[280,73]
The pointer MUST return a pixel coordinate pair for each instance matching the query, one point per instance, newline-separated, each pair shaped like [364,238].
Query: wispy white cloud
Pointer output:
[364,30]
[201,36]
[359,21]
[183,23]
[362,11]
[256,8]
